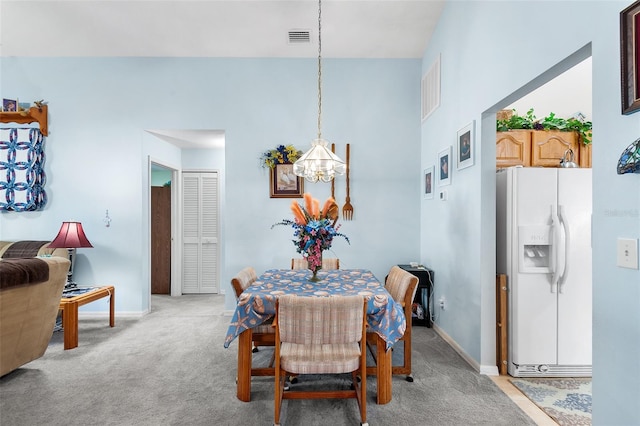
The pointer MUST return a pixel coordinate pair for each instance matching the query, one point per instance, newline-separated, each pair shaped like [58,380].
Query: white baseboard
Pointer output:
[489,370]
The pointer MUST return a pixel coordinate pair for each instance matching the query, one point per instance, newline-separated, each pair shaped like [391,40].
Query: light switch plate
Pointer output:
[627,253]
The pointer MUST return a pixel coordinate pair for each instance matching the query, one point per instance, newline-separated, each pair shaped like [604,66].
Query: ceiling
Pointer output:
[216,28]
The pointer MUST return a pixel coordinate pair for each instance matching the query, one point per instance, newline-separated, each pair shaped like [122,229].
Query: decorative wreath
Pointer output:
[281,155]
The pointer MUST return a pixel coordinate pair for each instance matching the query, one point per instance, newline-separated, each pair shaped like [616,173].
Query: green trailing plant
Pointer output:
[550,122]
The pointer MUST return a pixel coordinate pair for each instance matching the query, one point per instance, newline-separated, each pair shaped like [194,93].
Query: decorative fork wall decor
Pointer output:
[347,209]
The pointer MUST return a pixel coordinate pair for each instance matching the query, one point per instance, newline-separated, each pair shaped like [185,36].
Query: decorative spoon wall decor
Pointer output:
[333,181]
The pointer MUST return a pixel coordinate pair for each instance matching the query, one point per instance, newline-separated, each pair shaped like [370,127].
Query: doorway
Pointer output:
[198,151]
[161,238]
[565,89]
[163,219]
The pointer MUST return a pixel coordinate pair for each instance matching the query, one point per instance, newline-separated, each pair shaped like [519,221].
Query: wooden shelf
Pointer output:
[38,114]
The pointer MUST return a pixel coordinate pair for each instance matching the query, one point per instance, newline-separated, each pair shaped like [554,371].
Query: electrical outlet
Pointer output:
[442,303]
[627,253]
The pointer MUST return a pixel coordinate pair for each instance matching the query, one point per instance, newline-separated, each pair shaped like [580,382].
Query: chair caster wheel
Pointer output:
[255,349]
[409,379]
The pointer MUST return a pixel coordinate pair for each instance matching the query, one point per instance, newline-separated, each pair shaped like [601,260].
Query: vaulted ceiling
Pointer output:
[216,28]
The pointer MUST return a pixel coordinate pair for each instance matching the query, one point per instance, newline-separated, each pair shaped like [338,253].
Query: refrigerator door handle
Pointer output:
[555,229]
[567,242]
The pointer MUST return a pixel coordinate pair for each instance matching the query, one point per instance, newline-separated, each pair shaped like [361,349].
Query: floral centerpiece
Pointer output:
[314,229]
[281,155]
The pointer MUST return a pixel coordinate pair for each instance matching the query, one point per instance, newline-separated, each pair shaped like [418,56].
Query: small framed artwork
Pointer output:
[444,171]
[283,183]
[9,105]
[465,146]
[630,58]
[429,180]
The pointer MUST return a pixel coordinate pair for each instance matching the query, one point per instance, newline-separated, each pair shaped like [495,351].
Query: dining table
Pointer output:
[257,304]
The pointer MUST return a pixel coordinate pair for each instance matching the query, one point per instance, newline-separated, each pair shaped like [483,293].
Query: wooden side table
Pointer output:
[69,307]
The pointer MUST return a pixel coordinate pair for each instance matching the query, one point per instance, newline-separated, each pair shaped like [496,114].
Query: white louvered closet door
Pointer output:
[200,232]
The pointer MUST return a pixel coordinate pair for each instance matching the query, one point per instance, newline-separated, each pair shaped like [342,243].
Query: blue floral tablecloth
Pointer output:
[258,302]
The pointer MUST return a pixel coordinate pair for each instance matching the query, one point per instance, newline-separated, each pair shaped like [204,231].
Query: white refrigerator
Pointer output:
[543,241]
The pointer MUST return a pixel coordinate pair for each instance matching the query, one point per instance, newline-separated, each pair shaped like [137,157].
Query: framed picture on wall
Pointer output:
[428,182]
[630,58]
[465,146]
[444,166]
[283,183]
[9,105]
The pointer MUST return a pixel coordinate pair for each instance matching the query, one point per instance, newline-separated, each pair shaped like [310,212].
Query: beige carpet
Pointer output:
[170,368]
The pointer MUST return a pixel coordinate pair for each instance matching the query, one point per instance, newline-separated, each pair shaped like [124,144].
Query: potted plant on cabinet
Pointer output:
[528,141]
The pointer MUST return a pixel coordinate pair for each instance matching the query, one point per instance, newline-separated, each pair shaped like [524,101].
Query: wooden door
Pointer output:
[160,240]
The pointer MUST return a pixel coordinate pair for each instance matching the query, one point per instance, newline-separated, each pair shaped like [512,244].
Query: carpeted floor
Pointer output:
[566,400]
[170,368]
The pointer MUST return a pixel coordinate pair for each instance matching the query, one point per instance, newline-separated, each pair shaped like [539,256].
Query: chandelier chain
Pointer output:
[319,69]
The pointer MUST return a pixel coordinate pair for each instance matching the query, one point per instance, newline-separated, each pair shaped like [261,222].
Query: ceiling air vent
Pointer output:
[299,36]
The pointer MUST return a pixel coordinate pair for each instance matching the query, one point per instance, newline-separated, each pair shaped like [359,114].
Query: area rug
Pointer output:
[565,400]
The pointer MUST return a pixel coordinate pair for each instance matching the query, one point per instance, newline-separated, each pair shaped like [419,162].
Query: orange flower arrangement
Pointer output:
[314,229]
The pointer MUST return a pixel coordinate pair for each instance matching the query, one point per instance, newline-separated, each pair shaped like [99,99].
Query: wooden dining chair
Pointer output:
[243,279]
[297,263]
[402,286]
[329,263]
[263,334]
[321,335]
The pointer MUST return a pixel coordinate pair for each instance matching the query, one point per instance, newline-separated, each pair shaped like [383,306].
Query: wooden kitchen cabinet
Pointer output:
[539,148]
[513,148]
[549,146]
[585,156]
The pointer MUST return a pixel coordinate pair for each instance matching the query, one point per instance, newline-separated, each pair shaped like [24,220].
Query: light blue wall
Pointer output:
[489,51]
[98,154]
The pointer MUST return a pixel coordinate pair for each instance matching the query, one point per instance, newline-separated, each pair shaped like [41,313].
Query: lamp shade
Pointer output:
[71,235]
[319,163]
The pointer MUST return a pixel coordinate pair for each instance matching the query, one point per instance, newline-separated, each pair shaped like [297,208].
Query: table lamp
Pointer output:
[70,236]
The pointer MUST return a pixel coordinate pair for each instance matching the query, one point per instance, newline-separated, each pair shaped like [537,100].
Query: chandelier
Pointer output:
[319,163]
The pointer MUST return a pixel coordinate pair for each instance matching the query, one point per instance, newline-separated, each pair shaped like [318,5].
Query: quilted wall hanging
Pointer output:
[22,176]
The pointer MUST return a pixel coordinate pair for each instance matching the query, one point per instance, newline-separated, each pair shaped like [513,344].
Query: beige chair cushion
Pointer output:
[328,264]
[320,359]
[398,281]
[243,279]
[320,335]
